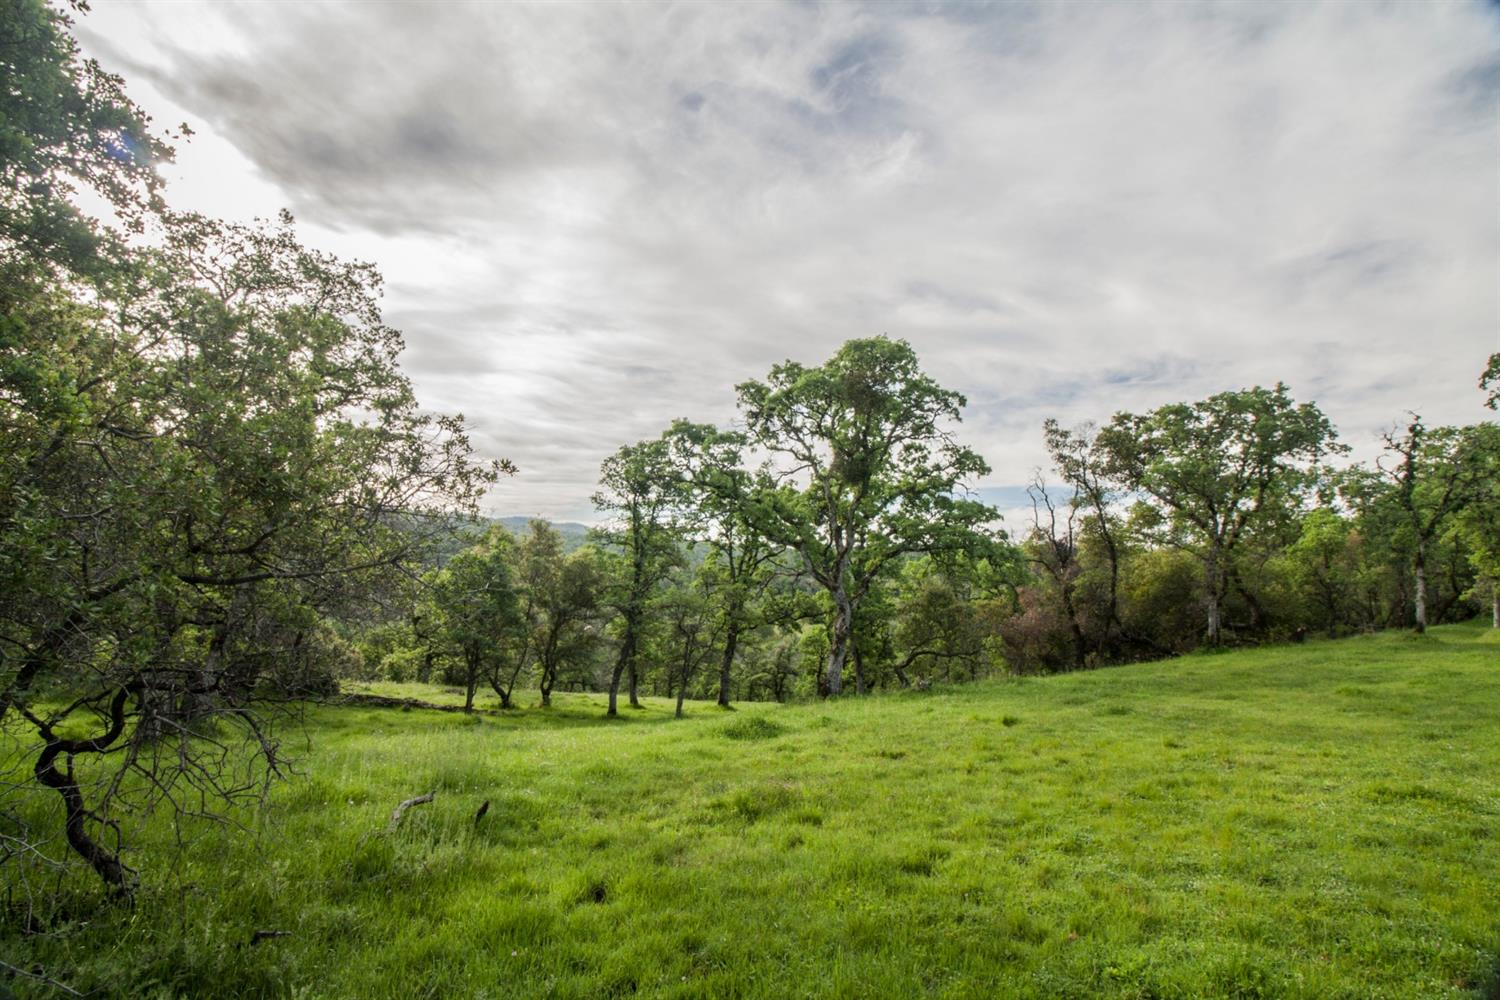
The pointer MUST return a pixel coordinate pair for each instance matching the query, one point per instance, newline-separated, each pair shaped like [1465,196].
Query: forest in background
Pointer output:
[1226,521]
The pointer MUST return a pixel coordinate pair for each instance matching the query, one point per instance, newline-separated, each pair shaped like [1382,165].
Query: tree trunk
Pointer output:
[1495,603]
[1112,619]
[1421,586]
[681,694]
[1257,610]
[838,652]
[635,702]
[1211,579]
[515,675]
[627,653]
[106,864]
[1080,642]
[549,679]
[731,641]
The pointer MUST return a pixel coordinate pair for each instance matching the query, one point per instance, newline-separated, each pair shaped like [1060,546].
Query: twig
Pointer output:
[70,991]
[260,936]
[419,800]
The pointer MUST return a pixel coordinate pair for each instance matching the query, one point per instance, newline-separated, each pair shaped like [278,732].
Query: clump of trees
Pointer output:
[211,456]
[1226,521]
[709,572]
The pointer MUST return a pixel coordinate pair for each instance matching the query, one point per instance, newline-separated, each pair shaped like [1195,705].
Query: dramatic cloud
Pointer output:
[595,218]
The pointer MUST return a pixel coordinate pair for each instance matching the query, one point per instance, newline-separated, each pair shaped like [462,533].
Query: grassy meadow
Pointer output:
[1316,821]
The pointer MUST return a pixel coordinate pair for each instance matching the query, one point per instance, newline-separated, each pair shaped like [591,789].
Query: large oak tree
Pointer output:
[1217,467]
[868,471]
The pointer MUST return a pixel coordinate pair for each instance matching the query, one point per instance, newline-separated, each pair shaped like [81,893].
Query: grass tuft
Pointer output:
[754,727]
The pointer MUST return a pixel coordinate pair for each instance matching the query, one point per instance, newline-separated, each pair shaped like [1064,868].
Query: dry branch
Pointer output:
[41,979]
[260,936]
[401,809]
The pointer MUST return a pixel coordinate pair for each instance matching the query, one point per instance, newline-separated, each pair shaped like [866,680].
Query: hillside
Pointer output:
[573,533]
[1307,821]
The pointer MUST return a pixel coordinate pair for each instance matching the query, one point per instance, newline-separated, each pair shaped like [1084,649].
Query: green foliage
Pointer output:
[642,489]
[871,472]
[1220,467]
[563,596]
[207,455]
[478,611]
[66,125]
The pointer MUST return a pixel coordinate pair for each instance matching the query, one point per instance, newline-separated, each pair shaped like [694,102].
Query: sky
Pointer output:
[595,218]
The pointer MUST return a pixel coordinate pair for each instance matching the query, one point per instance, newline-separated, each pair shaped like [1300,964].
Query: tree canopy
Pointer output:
[869,471]
[1219,464]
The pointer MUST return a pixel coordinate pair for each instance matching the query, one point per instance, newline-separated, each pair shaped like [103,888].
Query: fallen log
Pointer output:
[385,701]
[260,936]
[397,813]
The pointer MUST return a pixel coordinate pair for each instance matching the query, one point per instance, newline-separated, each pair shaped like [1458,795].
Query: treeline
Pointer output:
[1228,520]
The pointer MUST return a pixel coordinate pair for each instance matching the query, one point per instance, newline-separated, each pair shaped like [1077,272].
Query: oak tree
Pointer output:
[869,471]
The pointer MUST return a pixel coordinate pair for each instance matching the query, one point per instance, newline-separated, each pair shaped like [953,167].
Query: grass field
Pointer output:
[1312,821]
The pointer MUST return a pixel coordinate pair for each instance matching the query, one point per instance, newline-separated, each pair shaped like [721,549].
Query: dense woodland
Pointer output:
[220,497]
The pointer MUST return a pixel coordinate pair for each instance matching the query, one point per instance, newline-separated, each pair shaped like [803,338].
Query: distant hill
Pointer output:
[574,534]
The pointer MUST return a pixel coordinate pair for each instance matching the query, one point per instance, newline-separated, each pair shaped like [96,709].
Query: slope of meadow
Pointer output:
[1310,821]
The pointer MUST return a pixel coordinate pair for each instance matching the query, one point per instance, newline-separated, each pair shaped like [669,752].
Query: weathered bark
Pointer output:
[1080,642]
[548,656]
[1211,580]
[471,682]
[400,810]
[731,643]
[506,691]
[900,672]
[634,677]
[1421,585]
[838,652]
[627,654]
[106,864]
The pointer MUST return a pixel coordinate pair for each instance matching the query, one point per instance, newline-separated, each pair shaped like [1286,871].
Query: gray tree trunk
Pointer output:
[731,641]
[1211,578]
[1421,595]
[838,653]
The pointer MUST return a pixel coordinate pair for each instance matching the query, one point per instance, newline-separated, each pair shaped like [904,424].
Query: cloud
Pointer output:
[595,218]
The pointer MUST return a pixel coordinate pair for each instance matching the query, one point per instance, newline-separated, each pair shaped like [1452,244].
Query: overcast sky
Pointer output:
[593,218]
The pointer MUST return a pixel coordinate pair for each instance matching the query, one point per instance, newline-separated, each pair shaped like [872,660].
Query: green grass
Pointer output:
[1312,821]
